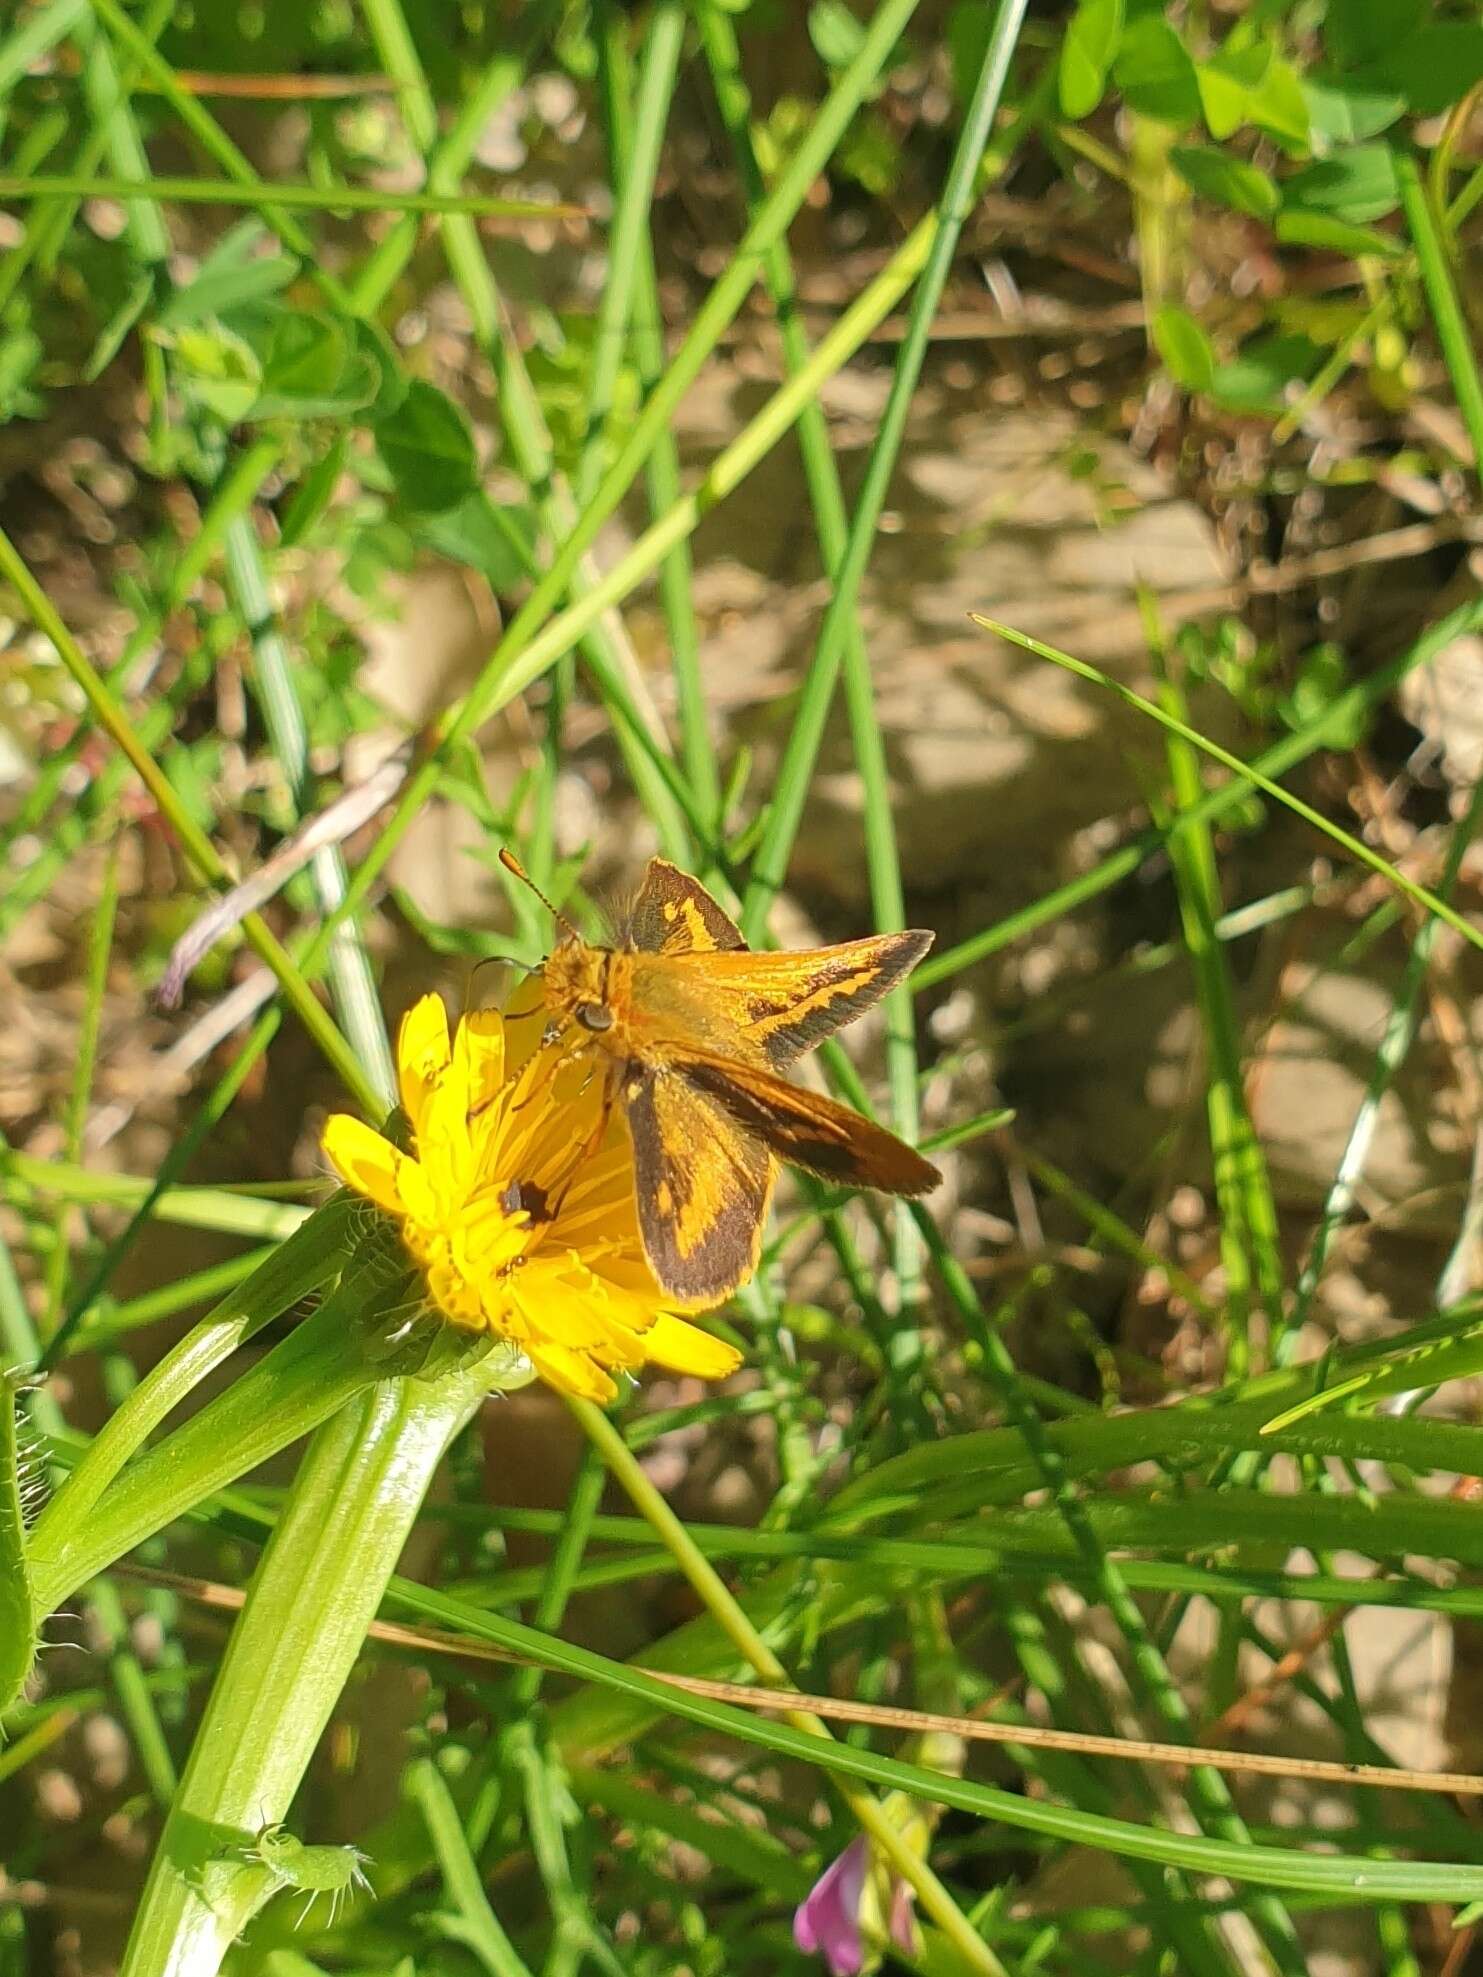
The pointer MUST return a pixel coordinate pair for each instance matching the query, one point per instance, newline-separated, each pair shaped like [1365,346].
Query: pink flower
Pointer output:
[849,1894]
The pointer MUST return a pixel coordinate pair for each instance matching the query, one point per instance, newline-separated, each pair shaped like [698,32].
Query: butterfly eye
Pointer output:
[593,1016]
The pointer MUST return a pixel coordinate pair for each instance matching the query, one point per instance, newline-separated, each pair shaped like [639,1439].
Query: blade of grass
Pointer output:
[934,1898]
[1209,1796]
[1248,1214]
[249,190]
[1248,772]
[697,753]
[1451,325]
[353,984]
[1351,705]
[94,987]
[638,163]
[604,643]
[790,787]
[197,847]
[1348,1878]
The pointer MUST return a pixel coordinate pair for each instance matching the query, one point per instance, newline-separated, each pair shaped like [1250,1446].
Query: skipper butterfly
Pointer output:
[696,1030]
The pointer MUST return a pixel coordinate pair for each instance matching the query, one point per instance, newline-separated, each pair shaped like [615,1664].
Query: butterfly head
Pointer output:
[577,987]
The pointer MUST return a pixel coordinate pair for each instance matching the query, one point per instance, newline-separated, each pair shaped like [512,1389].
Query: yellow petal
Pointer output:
[364,1161]
[481,1042]
[525,1011]
[422,1052]
[571,1372]
[683,1348]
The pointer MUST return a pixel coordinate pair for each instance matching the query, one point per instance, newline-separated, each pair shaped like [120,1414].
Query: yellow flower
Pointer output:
[517,1205]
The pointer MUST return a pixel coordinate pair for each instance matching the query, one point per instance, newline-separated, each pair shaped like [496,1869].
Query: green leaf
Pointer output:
[1341,236]
[1185,348]
[303,508]
[123,319]
[222,372]
[229,289]
[1346,111]
[1227,82]
[1257,379]
[1087,54]
[1280,108]
[231,274]
[429,452]
[498,541]
[835,33]
[1252,84]
[21,352]
[313,368]
[1356,184]
[1155,73]
[1434,68]
[1228,181]
[1360,30]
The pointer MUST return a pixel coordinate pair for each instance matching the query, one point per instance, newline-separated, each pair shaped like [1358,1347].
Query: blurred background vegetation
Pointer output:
[325,330]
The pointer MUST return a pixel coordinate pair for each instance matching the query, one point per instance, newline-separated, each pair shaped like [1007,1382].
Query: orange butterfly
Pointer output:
[696,1029]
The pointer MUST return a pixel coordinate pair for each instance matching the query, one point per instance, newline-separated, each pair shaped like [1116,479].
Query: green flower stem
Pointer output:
[749,1644]
[355,1498]
[253,191]
[198,848]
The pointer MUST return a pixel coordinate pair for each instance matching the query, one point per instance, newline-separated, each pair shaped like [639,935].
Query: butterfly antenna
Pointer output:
[511,863]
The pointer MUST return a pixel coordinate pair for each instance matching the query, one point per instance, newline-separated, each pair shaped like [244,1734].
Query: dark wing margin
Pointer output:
[702,1187]
[673,913]
[811,1131]
[842,983]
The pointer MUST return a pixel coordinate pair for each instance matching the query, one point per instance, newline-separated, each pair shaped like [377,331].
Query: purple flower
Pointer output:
[828,1920]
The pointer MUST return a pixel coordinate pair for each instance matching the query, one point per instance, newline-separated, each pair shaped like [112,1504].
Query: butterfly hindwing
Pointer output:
[806,1129]
[673,913]
[702,1186]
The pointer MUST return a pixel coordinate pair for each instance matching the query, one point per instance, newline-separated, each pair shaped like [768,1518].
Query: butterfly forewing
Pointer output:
[778,1006]
[672,913]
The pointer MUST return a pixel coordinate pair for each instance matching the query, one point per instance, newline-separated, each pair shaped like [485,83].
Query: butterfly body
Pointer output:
[697,1030]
